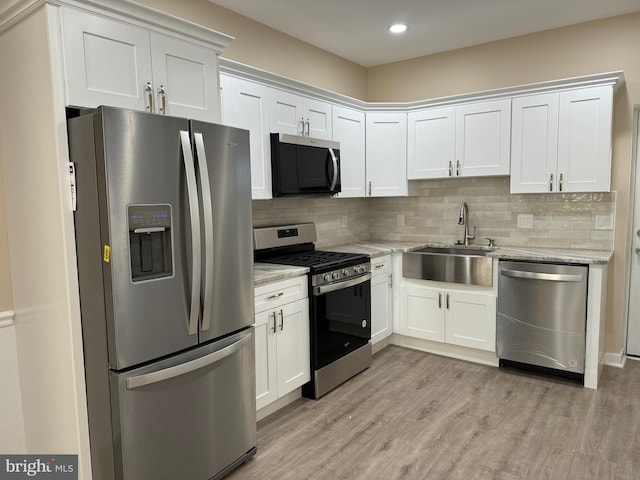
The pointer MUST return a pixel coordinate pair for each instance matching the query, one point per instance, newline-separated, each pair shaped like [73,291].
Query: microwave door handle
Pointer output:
[203,169]
[194,212]
[334,160]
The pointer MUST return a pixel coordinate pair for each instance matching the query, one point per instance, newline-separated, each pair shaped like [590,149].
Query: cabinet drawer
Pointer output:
[381,265]
[279,293]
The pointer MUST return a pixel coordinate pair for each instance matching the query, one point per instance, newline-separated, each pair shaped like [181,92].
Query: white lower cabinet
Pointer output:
[438,312]
[381,299]
[282,339]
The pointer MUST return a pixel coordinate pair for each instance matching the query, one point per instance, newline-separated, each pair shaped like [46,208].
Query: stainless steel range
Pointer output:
[339,303]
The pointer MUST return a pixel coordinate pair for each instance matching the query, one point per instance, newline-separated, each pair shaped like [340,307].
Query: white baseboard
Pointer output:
[6,318]
[615,359]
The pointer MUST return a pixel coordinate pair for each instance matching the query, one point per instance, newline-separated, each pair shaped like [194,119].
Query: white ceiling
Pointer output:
[357,29]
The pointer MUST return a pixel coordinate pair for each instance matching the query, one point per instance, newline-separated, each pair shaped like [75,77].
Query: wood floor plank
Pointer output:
[416,416]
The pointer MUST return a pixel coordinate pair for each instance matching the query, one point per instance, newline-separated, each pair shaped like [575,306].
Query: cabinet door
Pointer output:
[584,140]
[188,75]
[318,118]
[106,62]
[349,131]
[293,353]
[381,303]
[483,138]
[470,320]
[431,143]
[534,143]
[248,103]
[386,154]
[285,112]
[422,313]
[266,371]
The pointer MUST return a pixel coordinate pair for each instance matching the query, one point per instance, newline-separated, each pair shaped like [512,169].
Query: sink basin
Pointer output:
[468,265]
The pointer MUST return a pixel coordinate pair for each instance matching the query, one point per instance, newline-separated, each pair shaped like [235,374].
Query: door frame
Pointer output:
[634,198]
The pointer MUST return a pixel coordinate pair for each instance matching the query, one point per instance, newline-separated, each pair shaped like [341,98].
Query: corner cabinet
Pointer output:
[386,154]
[468,140]
[562,141]
[110,62]
[282,339]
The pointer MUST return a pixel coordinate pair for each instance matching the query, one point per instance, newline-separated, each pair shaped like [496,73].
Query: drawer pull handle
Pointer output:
[277,295]
[378,267]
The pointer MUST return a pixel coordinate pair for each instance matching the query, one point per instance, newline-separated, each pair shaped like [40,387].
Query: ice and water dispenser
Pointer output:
[150,242]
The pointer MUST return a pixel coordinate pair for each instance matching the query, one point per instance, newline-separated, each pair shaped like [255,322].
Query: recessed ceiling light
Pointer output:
[398,28]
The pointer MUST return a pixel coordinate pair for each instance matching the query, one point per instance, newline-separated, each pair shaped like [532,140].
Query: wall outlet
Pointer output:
[401,219]
[344,220]
[604,222]
[525,220]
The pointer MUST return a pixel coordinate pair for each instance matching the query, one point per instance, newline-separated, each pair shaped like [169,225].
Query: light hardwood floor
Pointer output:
[414,415]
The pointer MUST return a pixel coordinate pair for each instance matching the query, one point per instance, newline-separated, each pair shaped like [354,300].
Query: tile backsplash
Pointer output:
[559,220]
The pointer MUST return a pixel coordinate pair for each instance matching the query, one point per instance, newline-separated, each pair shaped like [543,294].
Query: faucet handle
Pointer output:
[492,241]
[472,236]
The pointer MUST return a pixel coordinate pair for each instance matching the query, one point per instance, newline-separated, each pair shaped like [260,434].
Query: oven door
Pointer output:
[340,319]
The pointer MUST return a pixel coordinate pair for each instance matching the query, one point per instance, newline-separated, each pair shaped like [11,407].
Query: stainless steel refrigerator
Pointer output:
[165,263]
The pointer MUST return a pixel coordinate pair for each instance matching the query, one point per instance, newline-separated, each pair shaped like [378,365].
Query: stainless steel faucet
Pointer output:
[463,219]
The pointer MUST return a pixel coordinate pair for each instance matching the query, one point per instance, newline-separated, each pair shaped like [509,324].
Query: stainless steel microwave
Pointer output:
[303,166]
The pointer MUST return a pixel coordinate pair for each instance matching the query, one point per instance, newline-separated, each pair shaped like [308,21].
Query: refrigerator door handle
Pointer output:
[208,230]
[184,368]
[192,192]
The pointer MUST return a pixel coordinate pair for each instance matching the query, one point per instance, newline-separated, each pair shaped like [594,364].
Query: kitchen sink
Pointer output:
[464,264]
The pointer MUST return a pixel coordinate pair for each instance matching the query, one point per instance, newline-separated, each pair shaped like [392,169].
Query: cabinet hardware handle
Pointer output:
[447,301]
[450,169]
[308,127]
[560,182]
[369,187]
[440,300]
[458,168]
[277,295]
[301,122]
[163,100]
[391,280]
[274,321]
[551,182]
[149,91]
[281,320]
[378,267]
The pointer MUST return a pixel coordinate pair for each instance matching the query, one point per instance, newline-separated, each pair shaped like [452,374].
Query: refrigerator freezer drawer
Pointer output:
[190,416]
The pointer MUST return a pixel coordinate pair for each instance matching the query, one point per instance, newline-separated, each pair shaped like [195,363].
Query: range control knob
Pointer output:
[327,277]
[335,275]
[346,272]
[357,269]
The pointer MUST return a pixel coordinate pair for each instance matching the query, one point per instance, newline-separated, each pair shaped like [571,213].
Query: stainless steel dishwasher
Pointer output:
[542,312]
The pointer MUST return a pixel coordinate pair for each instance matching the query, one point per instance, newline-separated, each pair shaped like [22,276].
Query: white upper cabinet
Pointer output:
[108,62]
[296,115]
[483,138]
[562,141]
[431,149]
[349,131]
[245,105]
[386,154]
[468,140]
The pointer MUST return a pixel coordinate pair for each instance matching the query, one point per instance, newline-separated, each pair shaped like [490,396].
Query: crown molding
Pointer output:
[126,11]
[231,67]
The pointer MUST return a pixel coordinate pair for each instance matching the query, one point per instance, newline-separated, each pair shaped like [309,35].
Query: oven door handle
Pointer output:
[332,287]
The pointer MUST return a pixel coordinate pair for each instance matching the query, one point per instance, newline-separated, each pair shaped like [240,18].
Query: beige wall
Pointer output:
[6,302]
[593,47]
[260,46]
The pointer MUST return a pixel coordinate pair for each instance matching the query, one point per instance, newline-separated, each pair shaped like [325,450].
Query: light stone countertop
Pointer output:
[378,248]
[268,272]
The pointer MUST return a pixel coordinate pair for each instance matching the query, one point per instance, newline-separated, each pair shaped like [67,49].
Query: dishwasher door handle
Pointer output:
[551,277]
